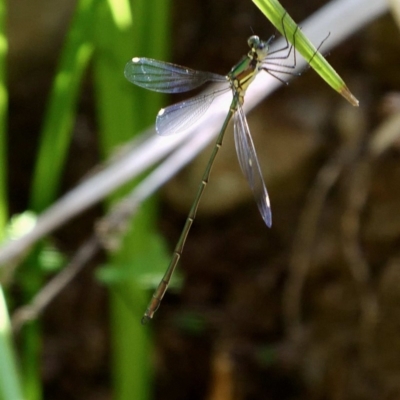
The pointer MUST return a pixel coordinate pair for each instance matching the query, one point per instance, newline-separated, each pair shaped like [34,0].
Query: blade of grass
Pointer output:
[54,144]
[123,112]
[10,386]
[60,114]
[282,21]
[131,341]
[3,122]
[30,278]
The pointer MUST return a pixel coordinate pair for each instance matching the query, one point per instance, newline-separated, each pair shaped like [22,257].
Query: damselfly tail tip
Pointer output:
[145,319]
[268,219]
[345,92]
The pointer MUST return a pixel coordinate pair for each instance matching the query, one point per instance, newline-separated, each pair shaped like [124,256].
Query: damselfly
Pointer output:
[165,77]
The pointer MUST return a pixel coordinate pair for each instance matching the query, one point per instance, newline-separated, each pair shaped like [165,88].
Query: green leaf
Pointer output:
[282,21]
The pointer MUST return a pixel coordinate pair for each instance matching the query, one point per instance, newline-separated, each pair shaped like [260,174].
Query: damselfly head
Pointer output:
[258,46]
[253,42]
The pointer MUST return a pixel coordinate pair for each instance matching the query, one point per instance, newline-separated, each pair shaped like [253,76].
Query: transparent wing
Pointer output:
[180,116]
[161,76]
[249,164]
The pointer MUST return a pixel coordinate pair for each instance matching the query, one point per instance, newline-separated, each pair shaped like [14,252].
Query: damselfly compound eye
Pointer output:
[253,42]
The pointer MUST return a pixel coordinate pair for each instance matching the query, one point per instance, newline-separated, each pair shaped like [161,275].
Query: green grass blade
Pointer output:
[279,17]
[60,114]
[54,143]
[10,386]
[124,30]
[3,122]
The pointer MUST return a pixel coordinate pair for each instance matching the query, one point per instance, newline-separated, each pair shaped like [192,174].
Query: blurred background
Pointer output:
[308,309]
